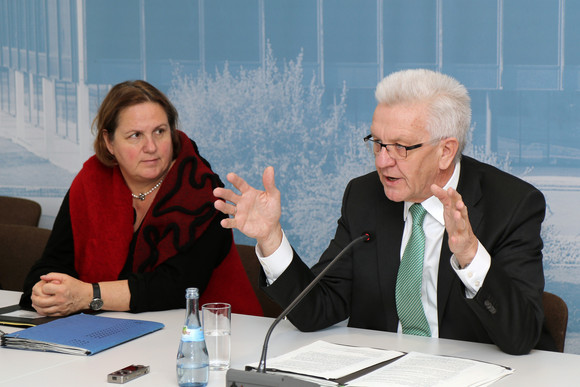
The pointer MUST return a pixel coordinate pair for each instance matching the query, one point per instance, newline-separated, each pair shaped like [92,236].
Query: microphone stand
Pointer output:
[262,366]
[254,381]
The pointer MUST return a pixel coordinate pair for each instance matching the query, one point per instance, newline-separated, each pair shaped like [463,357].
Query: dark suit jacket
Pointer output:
[506,214]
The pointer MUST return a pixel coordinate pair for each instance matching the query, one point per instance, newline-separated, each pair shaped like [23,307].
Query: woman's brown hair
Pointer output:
[122,96]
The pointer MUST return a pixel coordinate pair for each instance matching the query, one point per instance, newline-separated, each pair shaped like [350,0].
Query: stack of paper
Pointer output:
[360,366]
[16,316]
[420,369]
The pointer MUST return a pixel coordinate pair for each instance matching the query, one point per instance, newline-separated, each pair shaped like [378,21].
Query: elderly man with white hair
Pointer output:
[457,252]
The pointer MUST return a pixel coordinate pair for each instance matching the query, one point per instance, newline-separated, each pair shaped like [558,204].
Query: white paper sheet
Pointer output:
[418,369]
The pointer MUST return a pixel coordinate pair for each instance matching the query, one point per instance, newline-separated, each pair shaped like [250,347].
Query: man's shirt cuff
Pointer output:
[474,274]
[275,264]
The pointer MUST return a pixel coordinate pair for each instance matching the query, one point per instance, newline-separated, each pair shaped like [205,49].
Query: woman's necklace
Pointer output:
[142,195]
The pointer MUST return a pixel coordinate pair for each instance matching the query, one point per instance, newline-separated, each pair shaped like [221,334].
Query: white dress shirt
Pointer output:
[434,226]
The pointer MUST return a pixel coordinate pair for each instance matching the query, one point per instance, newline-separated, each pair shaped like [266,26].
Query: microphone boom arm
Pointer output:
[262,365]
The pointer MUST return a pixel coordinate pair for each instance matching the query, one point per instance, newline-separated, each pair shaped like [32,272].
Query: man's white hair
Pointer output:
[448,101]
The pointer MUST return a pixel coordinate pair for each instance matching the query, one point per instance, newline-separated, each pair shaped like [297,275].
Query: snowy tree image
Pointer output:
[246,121]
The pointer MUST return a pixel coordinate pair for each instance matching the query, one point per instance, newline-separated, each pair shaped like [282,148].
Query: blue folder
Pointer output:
[79,334]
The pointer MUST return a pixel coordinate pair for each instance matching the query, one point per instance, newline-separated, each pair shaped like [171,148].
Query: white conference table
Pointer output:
[159,349]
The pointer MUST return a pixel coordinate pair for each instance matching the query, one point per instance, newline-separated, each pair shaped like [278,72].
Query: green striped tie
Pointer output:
[410,277]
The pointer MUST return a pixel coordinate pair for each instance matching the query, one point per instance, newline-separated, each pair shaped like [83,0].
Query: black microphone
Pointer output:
[234,376]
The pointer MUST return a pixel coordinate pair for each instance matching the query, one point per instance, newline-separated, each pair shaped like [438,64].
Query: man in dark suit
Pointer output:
[479,276]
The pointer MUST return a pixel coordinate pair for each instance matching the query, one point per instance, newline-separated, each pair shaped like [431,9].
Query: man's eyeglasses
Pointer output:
[395,151]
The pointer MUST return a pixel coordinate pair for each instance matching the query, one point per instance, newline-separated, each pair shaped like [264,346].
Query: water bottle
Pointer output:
[192,358]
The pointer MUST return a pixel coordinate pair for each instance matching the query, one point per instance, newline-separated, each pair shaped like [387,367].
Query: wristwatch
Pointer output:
[97,302]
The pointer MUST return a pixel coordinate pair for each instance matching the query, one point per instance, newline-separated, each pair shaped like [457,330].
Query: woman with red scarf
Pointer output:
[138,225]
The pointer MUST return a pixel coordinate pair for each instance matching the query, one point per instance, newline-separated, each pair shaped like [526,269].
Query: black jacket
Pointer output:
[506,214]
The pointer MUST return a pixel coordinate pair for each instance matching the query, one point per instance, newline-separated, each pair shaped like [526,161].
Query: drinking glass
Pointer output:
[217,322]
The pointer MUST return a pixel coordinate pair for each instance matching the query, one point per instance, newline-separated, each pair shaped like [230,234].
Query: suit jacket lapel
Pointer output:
[469,186]
[389,234]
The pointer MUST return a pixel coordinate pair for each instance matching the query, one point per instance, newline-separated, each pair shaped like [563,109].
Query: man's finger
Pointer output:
[238,182]
[439,193]
[228,223]
[225,194]
[268,180]
[220,205]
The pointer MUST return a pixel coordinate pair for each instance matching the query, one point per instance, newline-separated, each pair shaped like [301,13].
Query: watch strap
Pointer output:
[96,291]
[96,302]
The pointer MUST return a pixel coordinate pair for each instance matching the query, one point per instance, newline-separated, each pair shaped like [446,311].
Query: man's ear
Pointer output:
[449,147]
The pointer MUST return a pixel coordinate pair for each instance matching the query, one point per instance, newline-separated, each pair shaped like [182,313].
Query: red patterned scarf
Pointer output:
[102,219]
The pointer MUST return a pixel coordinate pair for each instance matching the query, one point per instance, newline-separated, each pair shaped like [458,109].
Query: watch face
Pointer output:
[96,304]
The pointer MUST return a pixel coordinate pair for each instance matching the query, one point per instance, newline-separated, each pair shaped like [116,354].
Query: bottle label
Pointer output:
[192,334]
